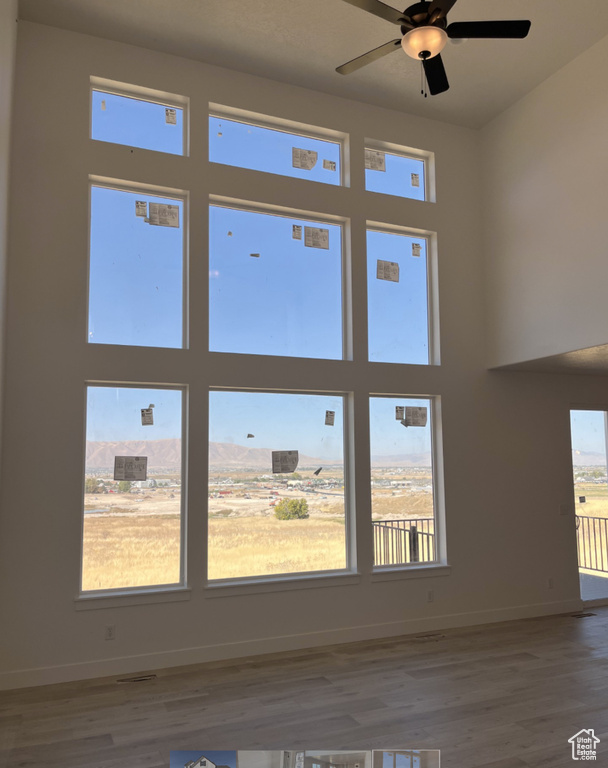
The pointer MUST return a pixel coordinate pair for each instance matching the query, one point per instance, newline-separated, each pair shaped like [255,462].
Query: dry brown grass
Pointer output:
[139,550]
[240,547]
[131,551]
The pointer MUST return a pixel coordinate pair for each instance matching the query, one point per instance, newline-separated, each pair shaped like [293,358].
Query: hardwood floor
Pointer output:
[499,696]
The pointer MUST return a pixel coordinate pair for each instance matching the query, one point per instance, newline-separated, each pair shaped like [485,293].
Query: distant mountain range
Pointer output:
[588,459]
[166,454]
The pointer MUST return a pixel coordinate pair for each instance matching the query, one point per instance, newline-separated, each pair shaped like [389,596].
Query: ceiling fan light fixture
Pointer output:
[424,42]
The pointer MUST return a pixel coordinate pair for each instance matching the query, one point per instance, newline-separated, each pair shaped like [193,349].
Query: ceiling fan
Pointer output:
[425,32]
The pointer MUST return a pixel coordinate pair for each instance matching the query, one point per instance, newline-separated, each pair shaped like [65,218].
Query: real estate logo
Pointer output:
[584,745]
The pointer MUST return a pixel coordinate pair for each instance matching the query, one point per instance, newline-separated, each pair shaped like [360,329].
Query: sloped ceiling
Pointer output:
[303,42]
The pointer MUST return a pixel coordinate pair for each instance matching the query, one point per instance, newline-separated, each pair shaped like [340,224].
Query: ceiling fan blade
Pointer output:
[489,29]
[438,9]
[435,75]
[386,12]
[367,58]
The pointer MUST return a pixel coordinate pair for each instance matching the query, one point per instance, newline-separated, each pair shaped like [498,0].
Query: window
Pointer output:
[276,484]
[275,284]
[136,276]
[274,148]
[398,297]
[132,488]
[589,435]
[281,497]
[392,171]
[403,508]
[120,117]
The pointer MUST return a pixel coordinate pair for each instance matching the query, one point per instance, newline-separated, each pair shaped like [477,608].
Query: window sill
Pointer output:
[123,598]
[393,573]
[235,587]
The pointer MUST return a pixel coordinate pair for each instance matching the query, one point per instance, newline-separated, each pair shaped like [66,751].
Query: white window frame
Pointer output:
[350,568]
[140,93]
[183,196]
[149,589]
[440,560]
[433,334]
[318,218]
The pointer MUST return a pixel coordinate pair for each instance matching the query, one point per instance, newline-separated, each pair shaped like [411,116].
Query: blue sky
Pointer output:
[287,300]
[264,149]
[136,273]
[135,123]
[279,421]
[588,433]
[388,436]
[397,178]
[114,413]
[397,312]
[282,422]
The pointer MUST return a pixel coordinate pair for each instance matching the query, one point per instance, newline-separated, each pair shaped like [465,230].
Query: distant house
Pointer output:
[202,762]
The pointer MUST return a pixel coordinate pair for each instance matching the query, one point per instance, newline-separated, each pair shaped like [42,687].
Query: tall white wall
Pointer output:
[545,161]
[8,44]
[505,436]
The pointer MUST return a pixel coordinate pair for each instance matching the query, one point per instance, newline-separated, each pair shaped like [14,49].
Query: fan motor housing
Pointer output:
[419,14]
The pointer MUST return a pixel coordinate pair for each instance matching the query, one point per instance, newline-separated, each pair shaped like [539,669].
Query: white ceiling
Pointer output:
[303,42]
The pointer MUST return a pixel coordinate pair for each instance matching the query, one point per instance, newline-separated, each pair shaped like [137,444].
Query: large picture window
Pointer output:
[276,484]
[287,284]
[132,521]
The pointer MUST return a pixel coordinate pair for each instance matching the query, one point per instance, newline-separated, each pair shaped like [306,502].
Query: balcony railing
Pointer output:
[592,541]
[399,542]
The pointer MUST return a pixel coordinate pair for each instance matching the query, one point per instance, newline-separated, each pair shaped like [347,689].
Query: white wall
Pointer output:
[545,163]
[506,436]
[8,44]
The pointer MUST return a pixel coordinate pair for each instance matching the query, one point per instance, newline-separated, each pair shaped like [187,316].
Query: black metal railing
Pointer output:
[404,541]
[592,541]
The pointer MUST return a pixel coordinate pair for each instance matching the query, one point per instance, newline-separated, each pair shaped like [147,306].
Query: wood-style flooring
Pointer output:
[504,695]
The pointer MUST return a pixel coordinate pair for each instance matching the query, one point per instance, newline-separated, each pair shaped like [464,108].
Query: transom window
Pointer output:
[138,117]
[275,146]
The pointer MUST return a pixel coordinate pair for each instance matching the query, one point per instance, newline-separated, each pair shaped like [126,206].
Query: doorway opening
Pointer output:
[589,432]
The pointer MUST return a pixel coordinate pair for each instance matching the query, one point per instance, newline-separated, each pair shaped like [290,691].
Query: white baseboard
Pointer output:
[124,665]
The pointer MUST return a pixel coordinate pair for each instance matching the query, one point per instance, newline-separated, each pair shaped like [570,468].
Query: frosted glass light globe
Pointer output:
[424,40]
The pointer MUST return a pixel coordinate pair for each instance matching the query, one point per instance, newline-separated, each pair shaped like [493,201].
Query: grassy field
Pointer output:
[121,551]
[596,504]
[135,551]
[132,540]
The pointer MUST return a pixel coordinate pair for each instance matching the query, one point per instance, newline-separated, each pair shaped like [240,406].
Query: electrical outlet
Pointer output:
[110,632]
[430,596]
[549,583]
